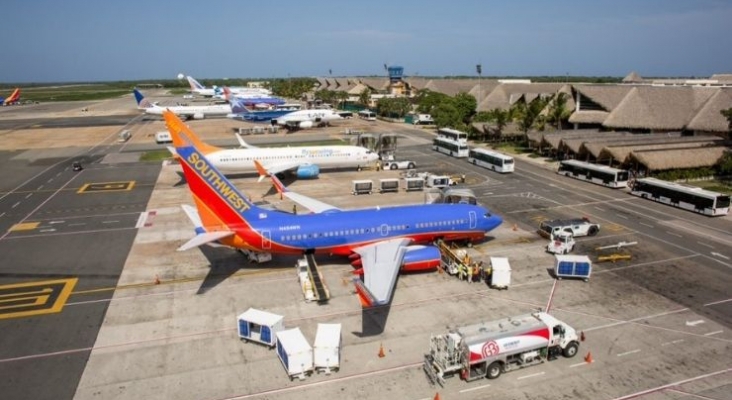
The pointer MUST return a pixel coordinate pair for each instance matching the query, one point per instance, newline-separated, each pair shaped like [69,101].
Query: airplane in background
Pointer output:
[304,119]
[305,162]
[14,98]
[383,240]
[188,112]
[216,91]
[240,111]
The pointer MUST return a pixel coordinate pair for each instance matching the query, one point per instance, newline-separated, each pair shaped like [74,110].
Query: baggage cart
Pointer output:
[295,353]
[327,348]
[260,326]
[573,267]
[365,186]
[388,185]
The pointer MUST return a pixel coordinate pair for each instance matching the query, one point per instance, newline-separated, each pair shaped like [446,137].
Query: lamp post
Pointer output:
[479,70]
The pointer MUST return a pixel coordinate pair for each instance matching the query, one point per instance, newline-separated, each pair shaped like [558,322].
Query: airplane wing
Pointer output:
[311,204]
[244,144]
[204,238]
[381,262]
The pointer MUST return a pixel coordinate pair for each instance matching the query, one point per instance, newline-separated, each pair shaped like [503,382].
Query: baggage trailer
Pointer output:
[364,186]
[500,277]
[415,183]
[327,348]
[487,349]
[388,185]
[573,267]
[295,353]
[260,326]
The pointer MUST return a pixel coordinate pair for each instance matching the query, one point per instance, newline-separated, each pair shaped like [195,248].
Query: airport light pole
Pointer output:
[479,70]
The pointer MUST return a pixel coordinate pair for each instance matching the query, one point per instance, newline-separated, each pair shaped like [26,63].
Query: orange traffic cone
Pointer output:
[381,351]
[437,396]
[582,336]
[588,358]
[515,227]
[157,280]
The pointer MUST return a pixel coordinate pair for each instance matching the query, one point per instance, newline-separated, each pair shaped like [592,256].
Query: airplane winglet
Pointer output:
[242,143]
[275,181]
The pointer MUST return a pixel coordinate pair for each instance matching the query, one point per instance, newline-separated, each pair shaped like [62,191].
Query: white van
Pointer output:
[163,137]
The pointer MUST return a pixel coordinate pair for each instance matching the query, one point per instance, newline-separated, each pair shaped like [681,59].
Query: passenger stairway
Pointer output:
[322,294]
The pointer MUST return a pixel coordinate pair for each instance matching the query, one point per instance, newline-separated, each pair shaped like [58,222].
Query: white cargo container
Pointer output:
[500,273]
[260,326]
[295,353]
[388,185]
[327,347]
[364,186]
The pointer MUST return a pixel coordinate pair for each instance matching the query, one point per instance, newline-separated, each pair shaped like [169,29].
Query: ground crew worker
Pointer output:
[470,273]
[294,208]
[462,178]
[461,271]
[476,273]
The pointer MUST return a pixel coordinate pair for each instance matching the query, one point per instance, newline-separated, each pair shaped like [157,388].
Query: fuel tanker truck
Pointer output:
[487,349]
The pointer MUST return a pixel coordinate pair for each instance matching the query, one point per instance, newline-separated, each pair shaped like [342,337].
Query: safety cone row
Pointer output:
[381,351]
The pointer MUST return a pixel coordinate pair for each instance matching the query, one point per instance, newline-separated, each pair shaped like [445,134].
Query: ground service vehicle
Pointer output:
[492,160]
[393,164]
[450,147]
[561,243]
[487,349]
[682,196]
[578,227]
[598,174]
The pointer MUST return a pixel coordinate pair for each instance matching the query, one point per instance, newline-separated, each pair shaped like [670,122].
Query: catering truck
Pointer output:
[487,349]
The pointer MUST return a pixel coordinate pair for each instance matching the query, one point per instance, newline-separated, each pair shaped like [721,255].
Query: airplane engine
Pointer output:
[305,124]
[198,116]
[421,258]
[307,171]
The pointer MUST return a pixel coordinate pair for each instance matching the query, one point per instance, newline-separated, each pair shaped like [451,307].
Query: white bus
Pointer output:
[450,147]
[491,159]
[453,134]
[597,174]
[682,196]
[368,115]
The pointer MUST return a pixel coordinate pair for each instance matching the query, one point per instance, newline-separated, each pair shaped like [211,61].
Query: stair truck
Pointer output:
[487,349]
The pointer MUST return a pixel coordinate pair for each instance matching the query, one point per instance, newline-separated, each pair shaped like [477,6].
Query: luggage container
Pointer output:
[500,273]
[414,183]
[327,348]
[260,326]
[438,181]
[573,267]
[362,187]
[295,353]
[388,185]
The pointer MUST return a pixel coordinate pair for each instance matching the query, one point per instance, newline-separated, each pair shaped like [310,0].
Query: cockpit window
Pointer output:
[487,215]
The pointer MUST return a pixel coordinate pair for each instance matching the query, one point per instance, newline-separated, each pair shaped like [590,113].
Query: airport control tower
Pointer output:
[396,84]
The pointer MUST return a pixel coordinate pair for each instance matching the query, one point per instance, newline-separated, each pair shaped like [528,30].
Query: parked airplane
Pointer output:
[216,91]
[240,111]
[305,161]
[304,119]
[14,98]
[387,239]
[189,112]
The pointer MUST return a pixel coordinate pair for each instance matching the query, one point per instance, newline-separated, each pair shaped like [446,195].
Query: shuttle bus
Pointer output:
[682,196]
[492,160]
[450,147]
[368,115]
[597,174]
[453,134]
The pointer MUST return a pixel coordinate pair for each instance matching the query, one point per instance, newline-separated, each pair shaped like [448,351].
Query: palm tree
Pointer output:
[558,111]
[365,97]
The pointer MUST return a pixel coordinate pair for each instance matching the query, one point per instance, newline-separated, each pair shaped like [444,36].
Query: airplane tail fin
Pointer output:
[15,96]
[220,205]
[193,139]
[194,84]
[238,106]
[142,102]
[242,143]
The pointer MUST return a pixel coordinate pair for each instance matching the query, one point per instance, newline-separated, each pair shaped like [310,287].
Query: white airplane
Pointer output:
[303,119]
[217,92]
[189,112]
[304,161]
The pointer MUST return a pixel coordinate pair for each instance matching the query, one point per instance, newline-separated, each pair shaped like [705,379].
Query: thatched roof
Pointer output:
[506,94]
[483,89]
[417,82]
[632,77]
[722,78]
[356,90]
[620,153]
[378,84]
[658,108]
[588,117]
[451,87]
[607,96]
[322,83]
[573,145]
[595,148]
[660,160]
[553,139]
[709,118]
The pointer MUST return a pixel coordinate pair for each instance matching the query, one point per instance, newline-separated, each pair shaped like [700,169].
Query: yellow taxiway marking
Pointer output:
[102,187]
[24,226]
[35,298]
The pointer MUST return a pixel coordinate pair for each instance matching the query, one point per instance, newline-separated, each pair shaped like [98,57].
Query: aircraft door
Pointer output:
[384,228]
[266,240]
[473,219]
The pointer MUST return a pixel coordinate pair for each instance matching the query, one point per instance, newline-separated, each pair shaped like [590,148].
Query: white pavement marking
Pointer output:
[40,187]
[673,234]
[475,388]
[694,323]
[56,222]
[78,224]
[629,352]
[705,305]
[50,180]
[621,216]
[530,376]
[648,225]
[720,256]
[713,333]
[15,205]
[677,341]
[48,230]
[2,214]
[677,383]
[141,220]
[109,222]
[29,195]
[578,364]
[599,209]
[706,244]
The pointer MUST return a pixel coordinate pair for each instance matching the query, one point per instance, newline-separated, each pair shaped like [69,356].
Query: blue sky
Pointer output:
[75,40]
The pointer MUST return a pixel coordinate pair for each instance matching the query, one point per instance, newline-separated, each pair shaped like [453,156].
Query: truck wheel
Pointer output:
[393,166]
[571,350]
[411,165]
[593,231]
[494,370]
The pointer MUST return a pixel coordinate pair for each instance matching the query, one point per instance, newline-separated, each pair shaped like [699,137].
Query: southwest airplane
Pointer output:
[189,112]
[383,240]
[12,99]
[304,161]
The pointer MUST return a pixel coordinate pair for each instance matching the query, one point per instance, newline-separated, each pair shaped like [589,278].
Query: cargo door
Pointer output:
[266,240]
[244,328]
[266,334]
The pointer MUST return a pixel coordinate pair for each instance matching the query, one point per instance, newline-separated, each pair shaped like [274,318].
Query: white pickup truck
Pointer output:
[577,227]
[393,165]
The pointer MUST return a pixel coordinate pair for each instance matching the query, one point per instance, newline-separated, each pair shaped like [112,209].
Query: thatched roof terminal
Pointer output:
[661,160]
[709,118]
[620,153]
